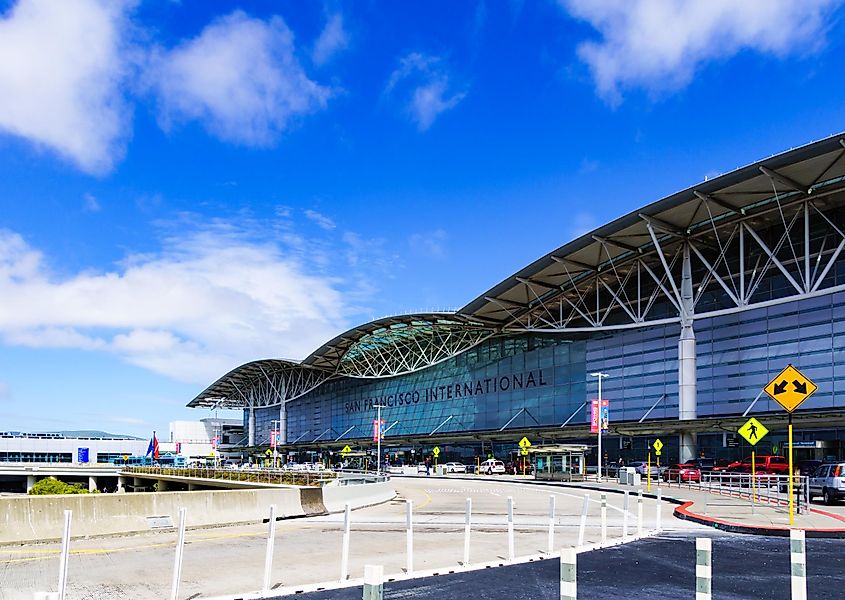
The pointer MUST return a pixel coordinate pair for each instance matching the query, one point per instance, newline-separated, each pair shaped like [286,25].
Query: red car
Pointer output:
[766,464]
[684,472]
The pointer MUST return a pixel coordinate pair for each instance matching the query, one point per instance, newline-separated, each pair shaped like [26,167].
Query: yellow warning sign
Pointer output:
[753,431]
[658,446]
[524,452]
[436,451]
[790,388]
[346,450]
[524,443]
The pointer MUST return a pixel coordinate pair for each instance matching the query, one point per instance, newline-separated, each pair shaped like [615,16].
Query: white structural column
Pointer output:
[251,427]
[687,401]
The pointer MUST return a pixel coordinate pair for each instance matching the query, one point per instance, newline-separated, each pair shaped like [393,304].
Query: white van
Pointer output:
[492,467]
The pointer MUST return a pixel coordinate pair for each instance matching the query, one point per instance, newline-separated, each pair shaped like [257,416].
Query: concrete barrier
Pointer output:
[335,497]
[41,518]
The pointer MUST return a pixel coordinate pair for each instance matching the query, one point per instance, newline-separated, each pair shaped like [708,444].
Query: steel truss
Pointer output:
[796,237]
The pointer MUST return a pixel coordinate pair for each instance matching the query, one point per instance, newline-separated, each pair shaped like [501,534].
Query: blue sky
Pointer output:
[186,186]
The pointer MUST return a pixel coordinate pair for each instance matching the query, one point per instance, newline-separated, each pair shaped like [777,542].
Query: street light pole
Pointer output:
[601,376]
[378,441]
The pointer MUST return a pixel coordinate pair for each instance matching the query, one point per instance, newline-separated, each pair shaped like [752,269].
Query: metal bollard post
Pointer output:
[409,525]
[568,574]
[177,561]
[467,520]
[373,582]
[625,516]
[268,558]
[657,524]
[639,513]
[585,507]
[703,568]
[798,563]
[551,524]
[344,556]
[604,519]
[510,529]
[64,556]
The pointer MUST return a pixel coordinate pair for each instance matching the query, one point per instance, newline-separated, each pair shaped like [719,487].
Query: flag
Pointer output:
[153,447]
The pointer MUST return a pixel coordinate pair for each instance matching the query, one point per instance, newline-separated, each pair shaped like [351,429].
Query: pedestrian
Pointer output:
[427,466]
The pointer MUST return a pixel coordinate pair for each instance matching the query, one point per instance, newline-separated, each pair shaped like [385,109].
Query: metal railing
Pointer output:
[268,476]
[762,487]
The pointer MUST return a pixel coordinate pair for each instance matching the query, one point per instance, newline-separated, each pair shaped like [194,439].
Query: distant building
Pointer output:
[196,439]
[67,447]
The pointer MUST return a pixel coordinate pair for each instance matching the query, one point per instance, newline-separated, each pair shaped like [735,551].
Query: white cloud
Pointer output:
[320,219]
[659,45]
[332,40]
[211,298]
[426,87]
[90,203]
[431,243]
[61,69]
[240,77]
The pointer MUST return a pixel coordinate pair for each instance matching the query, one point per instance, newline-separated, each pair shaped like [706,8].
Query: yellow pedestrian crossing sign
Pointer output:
[436,451]
[790,388]
[524,443]
[658,446]
[346,450]
[753,431]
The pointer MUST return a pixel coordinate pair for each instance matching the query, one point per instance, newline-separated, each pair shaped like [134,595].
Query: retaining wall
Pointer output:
[41,518]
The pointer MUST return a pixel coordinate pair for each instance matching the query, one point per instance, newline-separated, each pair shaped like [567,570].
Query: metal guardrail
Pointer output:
[762,487]
[271,476]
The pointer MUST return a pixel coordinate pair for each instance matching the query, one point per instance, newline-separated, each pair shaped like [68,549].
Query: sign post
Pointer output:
[524,445]
[436,453]
[789,389]
[753,431]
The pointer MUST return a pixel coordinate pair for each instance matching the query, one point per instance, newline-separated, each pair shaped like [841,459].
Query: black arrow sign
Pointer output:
[800,387]
[781,387]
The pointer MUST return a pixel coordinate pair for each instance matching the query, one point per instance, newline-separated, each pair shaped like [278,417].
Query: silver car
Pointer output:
[828,481]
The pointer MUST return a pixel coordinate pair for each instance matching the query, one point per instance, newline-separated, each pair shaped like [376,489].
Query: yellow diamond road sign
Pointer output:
[525,443]
[346,450]
[658,446]
[753,431]
[790,388]
[436,451]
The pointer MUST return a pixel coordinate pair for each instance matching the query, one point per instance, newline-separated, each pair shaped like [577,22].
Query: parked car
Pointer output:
[828,482]
[454,467]
[682,472]
[808,467]
[766,464]
[708,465]
[515,468]
[492,467]
[641,467]
[724,465]
[421,468]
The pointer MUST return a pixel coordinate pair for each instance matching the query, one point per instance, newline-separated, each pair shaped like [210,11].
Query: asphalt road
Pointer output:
[744,567]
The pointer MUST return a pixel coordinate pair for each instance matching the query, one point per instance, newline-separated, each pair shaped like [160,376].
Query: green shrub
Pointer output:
[51,486]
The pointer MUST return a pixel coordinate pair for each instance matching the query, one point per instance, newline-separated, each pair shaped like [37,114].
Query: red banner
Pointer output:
[273,438]
[599,416]
[377,429]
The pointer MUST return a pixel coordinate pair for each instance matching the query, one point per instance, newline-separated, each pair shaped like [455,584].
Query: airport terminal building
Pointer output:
[690,305]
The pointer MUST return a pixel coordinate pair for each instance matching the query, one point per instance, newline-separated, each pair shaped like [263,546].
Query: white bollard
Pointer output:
[177,561]
[268,557]
[798,563]
[604,519]
[639,513]
[657,524]
[551,524]
[409,526]
[703,568]
[467,520]
[568,574]
[625,517]
[373,582]
[511,553]
[584,508]
[64,556]
[344,556]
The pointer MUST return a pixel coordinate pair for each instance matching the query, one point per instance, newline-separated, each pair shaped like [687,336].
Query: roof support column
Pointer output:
[687,382]
[283,415]
[251,427]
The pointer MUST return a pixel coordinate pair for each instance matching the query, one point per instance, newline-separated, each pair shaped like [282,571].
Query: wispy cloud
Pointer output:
[430,243]
[332,40]
[240,77]
[62,69]
[660,45]
[320,219]
[424,83]
[90,203]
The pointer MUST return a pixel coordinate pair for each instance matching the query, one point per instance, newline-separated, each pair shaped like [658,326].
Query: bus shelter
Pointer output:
[559,462]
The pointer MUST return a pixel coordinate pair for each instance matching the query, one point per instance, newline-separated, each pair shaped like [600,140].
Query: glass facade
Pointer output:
[540,380]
